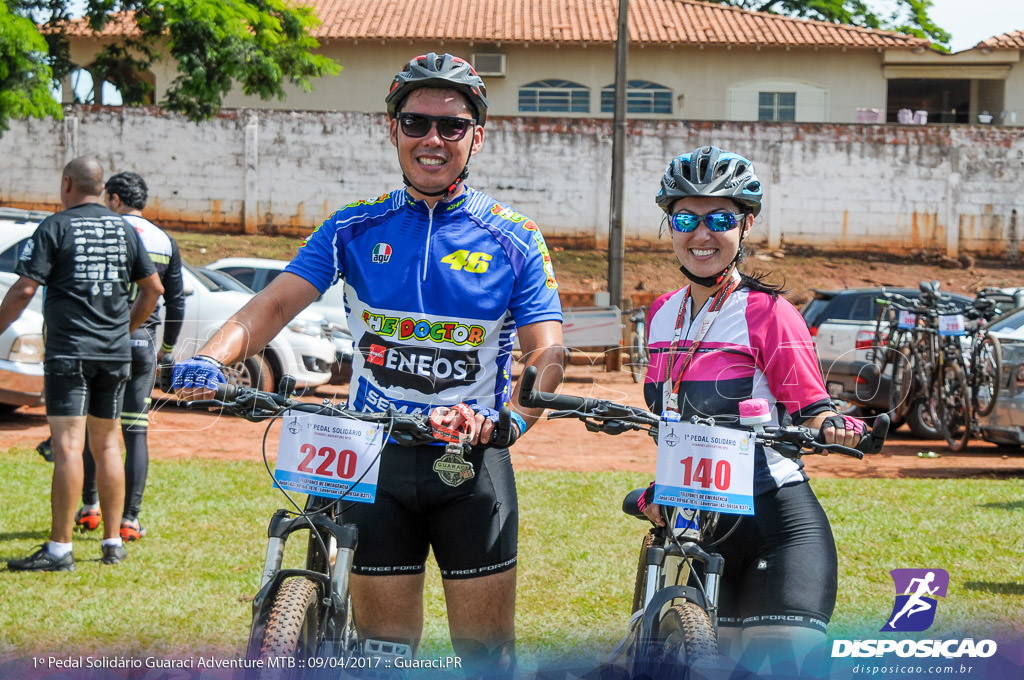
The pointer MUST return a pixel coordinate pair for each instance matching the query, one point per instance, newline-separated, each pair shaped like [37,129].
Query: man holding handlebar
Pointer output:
[439,279]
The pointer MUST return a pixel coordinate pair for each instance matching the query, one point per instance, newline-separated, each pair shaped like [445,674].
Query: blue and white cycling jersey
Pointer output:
[433,296]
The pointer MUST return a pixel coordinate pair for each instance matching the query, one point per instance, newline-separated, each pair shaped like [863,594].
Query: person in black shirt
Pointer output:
[126,195]
[87,257]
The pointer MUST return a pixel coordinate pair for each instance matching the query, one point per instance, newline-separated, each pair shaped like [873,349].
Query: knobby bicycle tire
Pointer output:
[640,586]
[634,357]
[986,367]
[901,393]
[683,641]
[952,401]
[638,357]
[292,627]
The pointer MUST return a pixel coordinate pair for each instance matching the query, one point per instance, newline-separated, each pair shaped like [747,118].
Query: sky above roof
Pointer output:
[971,21]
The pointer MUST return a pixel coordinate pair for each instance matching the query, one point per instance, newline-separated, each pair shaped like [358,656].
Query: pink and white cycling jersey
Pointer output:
[757,347]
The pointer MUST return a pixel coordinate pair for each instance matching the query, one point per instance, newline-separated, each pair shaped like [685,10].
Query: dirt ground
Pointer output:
[176,432]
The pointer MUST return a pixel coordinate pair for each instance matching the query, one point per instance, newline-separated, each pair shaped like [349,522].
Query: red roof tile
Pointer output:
[590,22]
[1014,40]
[651,22]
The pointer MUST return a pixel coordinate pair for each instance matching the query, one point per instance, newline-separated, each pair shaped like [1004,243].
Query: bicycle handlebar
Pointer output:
[408,429]
[613,418]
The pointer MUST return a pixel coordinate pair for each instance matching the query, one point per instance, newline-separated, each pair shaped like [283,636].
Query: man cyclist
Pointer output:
[439,278]
[126,194]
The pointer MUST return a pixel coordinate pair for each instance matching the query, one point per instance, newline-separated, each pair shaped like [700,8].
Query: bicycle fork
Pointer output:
[657,594]
[333,580]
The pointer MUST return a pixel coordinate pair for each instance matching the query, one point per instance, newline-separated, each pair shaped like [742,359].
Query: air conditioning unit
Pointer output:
[489,63]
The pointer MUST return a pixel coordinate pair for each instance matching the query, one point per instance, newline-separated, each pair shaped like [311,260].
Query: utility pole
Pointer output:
[616,241]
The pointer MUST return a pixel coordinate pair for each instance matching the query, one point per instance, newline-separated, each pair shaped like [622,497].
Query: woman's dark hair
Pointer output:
[756,281]
[130,188]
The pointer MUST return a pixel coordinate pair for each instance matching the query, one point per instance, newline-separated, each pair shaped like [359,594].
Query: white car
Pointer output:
[257,272]
[21,345]
[302,349]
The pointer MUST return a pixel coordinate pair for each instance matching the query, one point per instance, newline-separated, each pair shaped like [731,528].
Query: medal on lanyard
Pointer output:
[452,468]
[670,388]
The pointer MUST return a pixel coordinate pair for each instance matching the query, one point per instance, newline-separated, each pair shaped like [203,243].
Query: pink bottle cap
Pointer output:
[755,412]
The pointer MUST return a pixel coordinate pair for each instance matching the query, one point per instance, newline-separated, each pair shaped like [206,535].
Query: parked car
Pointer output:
[21,345]
[21,354]
[302,349]
[842,324]
[1005,424]
[257,272]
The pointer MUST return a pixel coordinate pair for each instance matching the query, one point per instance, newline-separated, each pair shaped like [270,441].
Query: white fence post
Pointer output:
[252,173]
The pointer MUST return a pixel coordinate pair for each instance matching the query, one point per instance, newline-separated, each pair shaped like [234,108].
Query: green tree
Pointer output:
[258,45]
[904,16]
[25,77]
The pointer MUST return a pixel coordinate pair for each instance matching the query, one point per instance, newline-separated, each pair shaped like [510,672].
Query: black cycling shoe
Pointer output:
[114,554]
[43,560]
[43,449]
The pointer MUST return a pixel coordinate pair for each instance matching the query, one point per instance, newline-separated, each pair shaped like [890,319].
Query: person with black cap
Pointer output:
[439,279]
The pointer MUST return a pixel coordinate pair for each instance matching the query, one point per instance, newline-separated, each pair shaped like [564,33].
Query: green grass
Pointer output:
[188,585]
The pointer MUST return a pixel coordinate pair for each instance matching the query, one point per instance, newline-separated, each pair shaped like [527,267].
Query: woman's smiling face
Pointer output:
[704,252]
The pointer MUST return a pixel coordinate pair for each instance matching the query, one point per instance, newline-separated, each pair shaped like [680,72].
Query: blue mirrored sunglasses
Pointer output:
[716,221]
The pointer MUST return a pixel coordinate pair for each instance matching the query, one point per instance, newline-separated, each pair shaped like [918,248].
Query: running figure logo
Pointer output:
[916,589]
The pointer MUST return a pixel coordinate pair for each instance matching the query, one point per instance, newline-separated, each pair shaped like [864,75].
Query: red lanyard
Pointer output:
[709,317]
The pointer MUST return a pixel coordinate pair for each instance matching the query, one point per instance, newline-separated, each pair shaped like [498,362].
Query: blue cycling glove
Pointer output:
[516,431]
[200,372]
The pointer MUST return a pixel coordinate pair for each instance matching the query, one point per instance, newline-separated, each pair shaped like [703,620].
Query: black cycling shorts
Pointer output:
[780,564]
[139,390]
[77,387]
[472,528]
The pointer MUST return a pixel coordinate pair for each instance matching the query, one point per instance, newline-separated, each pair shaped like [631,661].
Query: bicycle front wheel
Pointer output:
[638,357]
[952,405]
[292,629]
[985,369]
[683,641]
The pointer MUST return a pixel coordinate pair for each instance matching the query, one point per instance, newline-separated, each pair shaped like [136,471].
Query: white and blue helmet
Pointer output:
[711,172]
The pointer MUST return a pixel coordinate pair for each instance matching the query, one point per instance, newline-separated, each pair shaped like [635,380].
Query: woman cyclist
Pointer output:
[729,336]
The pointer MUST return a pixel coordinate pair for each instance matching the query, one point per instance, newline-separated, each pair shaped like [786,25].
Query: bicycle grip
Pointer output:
[875,439]
[530,397]
[226,392]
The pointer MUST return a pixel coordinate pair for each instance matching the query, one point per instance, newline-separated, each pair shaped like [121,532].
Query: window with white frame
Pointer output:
[554,96]
[776,106]
[642,96]
[778,100]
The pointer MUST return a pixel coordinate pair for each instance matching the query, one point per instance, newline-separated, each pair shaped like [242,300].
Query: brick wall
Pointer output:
[884,187]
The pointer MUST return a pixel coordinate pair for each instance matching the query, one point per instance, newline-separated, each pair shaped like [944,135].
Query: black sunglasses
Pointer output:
[450,128]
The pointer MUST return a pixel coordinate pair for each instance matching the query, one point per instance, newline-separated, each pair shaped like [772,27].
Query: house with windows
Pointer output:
[688,60]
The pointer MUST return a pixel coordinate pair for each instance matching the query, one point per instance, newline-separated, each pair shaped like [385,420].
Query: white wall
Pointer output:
[882,187]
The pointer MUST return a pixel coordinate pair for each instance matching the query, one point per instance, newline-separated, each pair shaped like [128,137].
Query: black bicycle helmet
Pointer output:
[444,71]
[709,171]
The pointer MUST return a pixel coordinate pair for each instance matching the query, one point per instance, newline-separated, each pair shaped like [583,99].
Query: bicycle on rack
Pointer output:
[986,360]
[639,354]
[674,618]
[302,618]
